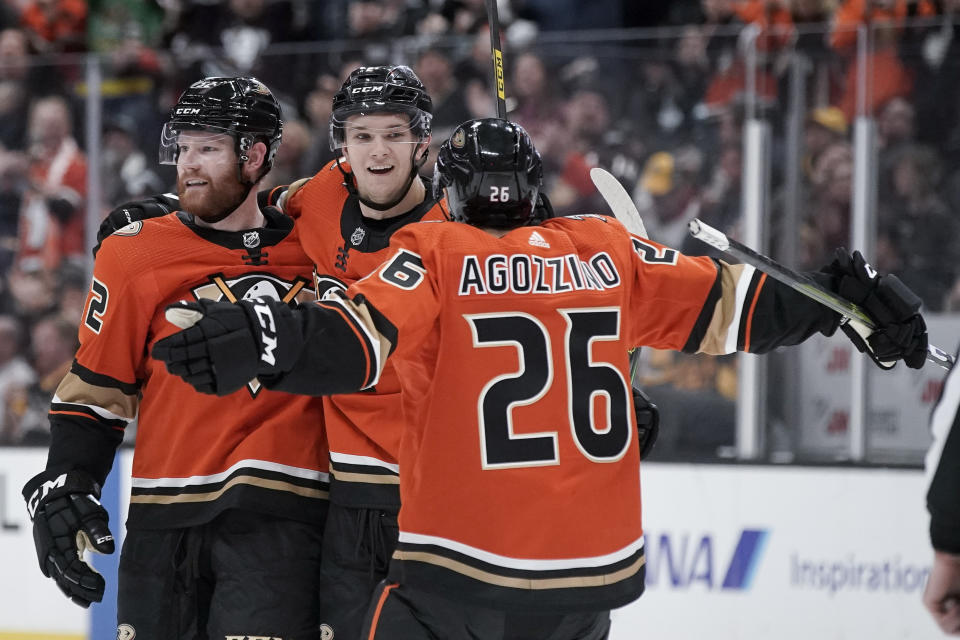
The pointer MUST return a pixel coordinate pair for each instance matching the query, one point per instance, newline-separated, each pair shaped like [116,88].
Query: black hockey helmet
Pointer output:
[492,174]
[243,108]
[383,89]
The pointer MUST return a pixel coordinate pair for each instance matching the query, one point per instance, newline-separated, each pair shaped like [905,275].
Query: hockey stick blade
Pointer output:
[619,201]
[850,311]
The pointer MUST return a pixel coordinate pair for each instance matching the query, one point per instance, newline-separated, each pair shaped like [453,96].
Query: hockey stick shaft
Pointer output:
[619,201]
[496,52]
[625,210]
[799,282]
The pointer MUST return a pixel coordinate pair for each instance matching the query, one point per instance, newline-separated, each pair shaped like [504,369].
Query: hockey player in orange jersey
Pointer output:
[520,487]
[228,497]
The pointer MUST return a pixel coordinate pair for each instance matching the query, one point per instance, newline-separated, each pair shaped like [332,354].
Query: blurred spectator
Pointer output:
[668,194]
[825,126]
[468,16]
[56,26]
[317,107]
[53,343]
[21,79]
[435,70]
[52,214]
[896,128]
[73,284]
[113,22]
[15,376]
[537,99]
[919,236]
[229,38]
[696,397]
[720,200]
[827,212]
[288,164]
[887,76]
[135,75]
[896,123]
[773,19]
[879,14]
[572,15]
[13,182]
[32,294]
[479,99]
[127,174]
[586,121]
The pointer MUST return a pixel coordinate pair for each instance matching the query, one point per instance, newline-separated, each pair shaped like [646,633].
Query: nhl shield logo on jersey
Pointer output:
[251,239]
[357,236]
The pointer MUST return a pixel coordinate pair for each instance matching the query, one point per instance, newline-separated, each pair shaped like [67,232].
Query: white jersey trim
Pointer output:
[309,474]
[100,411]
[524,563]
[346,458]
[733,331]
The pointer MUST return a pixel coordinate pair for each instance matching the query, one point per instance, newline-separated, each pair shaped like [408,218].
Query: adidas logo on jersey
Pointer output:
[537,240]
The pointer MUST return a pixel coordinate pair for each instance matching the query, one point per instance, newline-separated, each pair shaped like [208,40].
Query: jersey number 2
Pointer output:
[586,379]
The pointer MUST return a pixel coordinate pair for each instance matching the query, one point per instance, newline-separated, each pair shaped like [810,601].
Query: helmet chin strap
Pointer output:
[378,206]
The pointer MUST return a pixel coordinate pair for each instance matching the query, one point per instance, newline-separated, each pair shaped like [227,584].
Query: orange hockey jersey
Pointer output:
[363,428]
[195,454]
[520,471]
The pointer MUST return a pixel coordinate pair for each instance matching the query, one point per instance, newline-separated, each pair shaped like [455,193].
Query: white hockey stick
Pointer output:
[856,316]
[624,210]
[619,201]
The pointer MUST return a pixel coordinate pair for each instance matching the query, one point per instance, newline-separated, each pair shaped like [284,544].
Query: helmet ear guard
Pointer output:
[492,174]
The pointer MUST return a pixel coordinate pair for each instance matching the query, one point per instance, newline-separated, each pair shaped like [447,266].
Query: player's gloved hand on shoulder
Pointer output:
[648,422]
[900,333]
[224,345]
[68,519]
[130,212]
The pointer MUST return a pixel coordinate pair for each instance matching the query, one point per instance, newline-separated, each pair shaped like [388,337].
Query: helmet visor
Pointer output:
[180,143]
[392,126]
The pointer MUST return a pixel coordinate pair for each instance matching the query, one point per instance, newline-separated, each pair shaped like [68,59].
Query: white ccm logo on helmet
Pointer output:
[367,89]
[186,111]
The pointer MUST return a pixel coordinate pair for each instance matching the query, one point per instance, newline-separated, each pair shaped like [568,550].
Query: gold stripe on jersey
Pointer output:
[522,583]
[372,478]
[725,314]
[276,485]
[74,390]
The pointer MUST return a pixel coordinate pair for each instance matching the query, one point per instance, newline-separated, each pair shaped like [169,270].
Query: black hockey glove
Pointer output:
[901,333]
[67,520]
[130,212]
[224,345]
[648,422]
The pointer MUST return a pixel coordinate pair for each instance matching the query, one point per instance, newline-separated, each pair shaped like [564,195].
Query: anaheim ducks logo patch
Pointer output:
[251,286]
[126,632]
[131,229]
[459,139]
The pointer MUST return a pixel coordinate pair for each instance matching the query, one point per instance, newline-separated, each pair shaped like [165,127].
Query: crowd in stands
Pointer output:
[663,107]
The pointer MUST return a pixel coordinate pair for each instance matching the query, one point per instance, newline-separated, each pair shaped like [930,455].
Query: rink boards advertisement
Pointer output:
[733,552]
